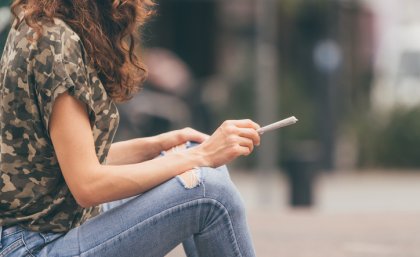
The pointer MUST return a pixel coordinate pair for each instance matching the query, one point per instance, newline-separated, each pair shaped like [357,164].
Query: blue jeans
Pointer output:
[209,219]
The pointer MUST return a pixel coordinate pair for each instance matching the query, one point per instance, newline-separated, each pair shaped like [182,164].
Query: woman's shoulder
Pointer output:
[50,37]
[58,30]
[52,50]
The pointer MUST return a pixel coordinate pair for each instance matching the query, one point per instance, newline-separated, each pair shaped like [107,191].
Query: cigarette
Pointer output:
[278,124]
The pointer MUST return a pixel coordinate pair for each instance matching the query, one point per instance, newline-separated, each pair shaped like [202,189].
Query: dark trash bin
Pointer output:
[301,166]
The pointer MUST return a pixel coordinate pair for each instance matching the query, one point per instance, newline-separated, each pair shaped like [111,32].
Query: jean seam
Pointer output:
[11,247]
[203,182]
[163,213]
[26,246]
[78,241]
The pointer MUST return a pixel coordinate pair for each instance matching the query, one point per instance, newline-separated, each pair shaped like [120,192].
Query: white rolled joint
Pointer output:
[279,124]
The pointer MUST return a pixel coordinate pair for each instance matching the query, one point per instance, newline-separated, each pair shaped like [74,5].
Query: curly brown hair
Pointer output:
[109,30]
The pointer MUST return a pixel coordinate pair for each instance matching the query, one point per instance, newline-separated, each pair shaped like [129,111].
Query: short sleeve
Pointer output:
[58,68]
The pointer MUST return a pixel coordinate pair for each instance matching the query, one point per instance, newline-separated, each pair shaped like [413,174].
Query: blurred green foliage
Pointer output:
[4,3]
[392,144]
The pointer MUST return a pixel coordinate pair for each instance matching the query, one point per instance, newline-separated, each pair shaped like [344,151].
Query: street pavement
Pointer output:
[355,214]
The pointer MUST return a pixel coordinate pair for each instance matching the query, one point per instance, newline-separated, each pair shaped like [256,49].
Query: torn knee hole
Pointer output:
[190,179]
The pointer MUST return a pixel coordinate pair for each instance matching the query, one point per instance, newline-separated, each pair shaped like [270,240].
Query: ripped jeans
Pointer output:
[207,216]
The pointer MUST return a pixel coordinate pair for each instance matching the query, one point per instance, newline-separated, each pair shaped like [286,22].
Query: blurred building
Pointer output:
[397,62]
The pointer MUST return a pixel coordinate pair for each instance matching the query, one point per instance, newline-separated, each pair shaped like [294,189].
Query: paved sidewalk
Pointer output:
[306,234]
[357,214]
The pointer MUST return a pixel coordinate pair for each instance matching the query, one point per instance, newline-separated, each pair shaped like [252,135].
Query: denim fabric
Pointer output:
[209,218]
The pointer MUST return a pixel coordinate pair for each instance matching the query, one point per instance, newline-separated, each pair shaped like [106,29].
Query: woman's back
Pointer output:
[33,74]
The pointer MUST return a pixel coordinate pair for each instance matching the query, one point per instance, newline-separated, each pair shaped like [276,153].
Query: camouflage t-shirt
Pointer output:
[33,74]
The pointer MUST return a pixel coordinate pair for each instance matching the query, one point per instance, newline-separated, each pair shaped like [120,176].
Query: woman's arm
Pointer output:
[133,151]
[92,183]
[144,149]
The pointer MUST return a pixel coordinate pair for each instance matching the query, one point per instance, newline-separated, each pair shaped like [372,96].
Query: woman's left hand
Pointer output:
[174,138]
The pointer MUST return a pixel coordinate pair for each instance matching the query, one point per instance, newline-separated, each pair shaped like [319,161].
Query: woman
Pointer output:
[65,64]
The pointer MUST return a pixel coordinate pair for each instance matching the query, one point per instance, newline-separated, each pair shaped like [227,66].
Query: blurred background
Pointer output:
[343,181]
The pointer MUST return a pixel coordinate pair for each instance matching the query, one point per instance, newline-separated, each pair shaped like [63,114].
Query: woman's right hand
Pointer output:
[231,140]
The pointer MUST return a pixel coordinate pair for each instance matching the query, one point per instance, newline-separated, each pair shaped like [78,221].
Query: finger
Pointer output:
[198,137]
[251,134]
[246,142]
[243,150]
[246,123]
[194,135]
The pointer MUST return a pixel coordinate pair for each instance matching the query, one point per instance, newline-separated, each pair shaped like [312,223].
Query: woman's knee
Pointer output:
[218,186]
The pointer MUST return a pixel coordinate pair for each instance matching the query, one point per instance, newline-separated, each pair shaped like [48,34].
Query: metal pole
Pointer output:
[267,102]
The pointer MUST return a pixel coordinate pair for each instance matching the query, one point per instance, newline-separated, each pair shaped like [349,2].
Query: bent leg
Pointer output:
[218,186]
[155,222]
[190,248]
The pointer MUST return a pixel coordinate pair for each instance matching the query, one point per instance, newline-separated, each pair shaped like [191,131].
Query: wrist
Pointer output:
[165,141]
[152,143]
[199,157]
[158,142]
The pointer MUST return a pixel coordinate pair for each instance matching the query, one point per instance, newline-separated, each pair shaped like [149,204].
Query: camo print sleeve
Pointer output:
[64,72]
[33,74]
